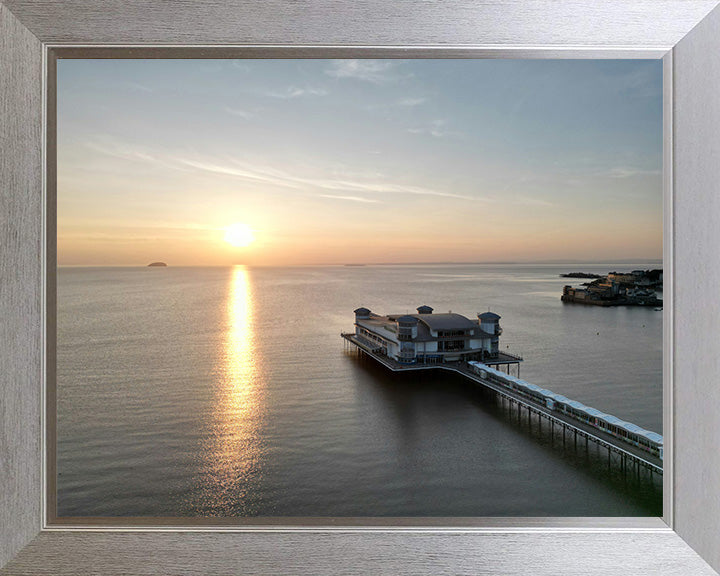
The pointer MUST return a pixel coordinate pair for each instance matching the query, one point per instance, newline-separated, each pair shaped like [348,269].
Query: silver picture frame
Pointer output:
[684,33]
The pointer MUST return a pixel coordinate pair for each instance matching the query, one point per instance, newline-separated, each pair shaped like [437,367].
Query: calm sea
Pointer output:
[228,392]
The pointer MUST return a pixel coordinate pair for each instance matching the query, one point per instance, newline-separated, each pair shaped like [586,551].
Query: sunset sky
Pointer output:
[358,161]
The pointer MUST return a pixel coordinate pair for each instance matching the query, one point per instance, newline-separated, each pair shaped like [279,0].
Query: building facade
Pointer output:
[430,338]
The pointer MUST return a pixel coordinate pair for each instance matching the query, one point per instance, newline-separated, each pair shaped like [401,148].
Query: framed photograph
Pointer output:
[273,200]
[667,195]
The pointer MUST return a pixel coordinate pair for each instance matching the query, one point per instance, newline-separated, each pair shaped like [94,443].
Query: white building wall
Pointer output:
[489,327]
[393,350]
[483,343]
[380,331]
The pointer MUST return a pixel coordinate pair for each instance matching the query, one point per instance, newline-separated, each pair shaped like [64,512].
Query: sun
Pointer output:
[239,235]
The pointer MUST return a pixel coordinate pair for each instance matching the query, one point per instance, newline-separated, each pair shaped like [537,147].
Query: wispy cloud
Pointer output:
[286,180]
[395,104]
[257,174]
[531,201]
[240,113]
[575,171]
[131,153]
[622,172]
[241,65]
[137,87]
[638,82]
[350,198]
[352,185]
[435,128]
[119,151]
[297,92]
[411,101]
[376,71]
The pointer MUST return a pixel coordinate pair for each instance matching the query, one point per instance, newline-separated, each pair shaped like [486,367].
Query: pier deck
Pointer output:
[502,359]
[627,453]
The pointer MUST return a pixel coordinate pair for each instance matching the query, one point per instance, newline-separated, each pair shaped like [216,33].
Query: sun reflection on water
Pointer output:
[235,450]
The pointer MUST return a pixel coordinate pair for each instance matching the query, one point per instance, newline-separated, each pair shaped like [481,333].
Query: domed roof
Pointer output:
[447,321]
[489,316]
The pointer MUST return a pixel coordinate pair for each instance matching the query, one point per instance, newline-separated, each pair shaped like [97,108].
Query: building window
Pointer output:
[451,345]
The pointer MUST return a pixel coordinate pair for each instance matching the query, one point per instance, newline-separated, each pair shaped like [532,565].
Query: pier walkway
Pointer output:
[627,456]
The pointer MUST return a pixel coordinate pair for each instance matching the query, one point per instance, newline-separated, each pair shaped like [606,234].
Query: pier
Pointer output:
[630,458]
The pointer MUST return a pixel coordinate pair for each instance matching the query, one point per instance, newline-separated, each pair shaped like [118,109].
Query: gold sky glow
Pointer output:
[302,162]
[239,235]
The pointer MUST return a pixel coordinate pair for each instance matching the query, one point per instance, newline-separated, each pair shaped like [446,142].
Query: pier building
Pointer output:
[430,338]
[454,343]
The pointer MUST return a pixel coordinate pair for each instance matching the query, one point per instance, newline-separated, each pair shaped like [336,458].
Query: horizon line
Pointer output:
[361,264]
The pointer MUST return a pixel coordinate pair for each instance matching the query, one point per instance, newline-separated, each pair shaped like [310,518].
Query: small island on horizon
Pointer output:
[157,264]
